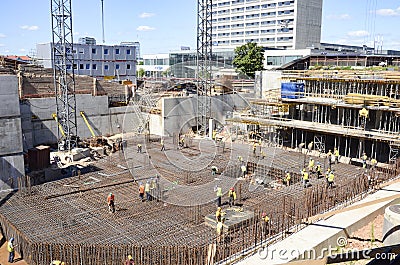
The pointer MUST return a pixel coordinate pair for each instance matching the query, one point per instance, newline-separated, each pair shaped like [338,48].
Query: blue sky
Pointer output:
[164,25]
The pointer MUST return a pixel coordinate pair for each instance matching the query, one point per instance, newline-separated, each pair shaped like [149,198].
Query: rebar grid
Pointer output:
[69,220]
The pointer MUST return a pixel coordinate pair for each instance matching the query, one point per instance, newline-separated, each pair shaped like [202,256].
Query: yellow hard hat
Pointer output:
[129,257]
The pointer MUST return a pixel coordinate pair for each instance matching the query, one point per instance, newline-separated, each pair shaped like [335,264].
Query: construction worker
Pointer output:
[331,177]
[287,178]
[147,190]
[219,195]
[240,159]
[129,261]
[310,146]
[364,160]
[318,169]
[220,230]
[336,154]
[373,163]
[305,175]
[214,170]
[139,148]
[11,251]
[265,224]
[162,144]
[311,164]
[182,141]
[141,191]
[214,134]
[232,196]
[329,156]
[328,171]
[218,214]
[254,148]
[110,202]
[244,169]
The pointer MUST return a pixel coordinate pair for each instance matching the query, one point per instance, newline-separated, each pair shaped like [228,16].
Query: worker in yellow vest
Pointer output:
[331,177]
[329,156]
[336,154]
[311,164]
[264,224]
[364,158]
[232,196]
[318,169]
[287,178]
[11,251]
[373,163]
[305,175]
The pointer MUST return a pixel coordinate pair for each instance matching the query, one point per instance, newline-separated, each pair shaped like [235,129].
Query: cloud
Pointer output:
[387,12]
[2,45]
[339,17]
[22,50]
[2,35]
[26,27]
[145,28]
[146,15]
[358,33]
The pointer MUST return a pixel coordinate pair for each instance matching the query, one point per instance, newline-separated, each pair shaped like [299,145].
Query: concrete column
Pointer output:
[391,225]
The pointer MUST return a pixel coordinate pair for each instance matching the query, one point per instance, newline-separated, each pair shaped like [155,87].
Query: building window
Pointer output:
[94,50]
[117,66]
[81,66]
[81,51]
[87,66]
[75,66]
[105,51]
[106,67]
[68,67]
[128,51]
[128,66]
[116,51]
[94,66]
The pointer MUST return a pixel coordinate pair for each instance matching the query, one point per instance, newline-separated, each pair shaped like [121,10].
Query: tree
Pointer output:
[249,58]
[140,73]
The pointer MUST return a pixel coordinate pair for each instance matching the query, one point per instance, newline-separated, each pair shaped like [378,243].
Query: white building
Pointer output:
[100,61]
[290,24]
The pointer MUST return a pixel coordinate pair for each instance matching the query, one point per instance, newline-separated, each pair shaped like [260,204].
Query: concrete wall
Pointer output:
[308,24]
[179,113]
[11,158]
[270,80]
[40,128]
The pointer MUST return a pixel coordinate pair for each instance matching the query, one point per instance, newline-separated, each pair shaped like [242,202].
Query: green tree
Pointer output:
[140,72]
[249,58]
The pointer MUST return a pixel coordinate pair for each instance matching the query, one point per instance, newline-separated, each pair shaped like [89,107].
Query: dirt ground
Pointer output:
[370,236]
[4,255]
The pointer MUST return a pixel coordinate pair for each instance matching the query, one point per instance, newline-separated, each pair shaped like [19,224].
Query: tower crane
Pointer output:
[204,67]
[64,82]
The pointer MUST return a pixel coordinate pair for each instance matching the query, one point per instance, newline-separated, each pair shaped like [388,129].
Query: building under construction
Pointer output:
[59,211]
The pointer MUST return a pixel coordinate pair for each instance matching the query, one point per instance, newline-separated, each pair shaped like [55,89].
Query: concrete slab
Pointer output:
[234,218]
[323,237]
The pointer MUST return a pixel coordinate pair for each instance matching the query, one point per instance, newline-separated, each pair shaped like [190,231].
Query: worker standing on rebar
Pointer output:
[244,169]
[220,230]
[331,177]
[364,160]
[214,170]
[254,148]
[232,197]
[240,159]
[147,190]
[162,144]
[336,154]
[329,156]
[305,175]
[264,224]
[373,163]
[218,214]
[139,148]
[11,251]
[129,261]
[318,169]
[287,178]
[141,191]
[262,153]
[328,171]
[219,195]
[110,202]
[310,146]
[311,164]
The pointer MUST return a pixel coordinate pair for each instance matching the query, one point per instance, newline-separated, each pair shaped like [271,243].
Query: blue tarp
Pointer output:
[292,90]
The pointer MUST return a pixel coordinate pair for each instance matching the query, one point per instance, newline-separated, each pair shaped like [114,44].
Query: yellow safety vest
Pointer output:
[287,176]
[219,192]
[305,175]
[331,177]
[232,193]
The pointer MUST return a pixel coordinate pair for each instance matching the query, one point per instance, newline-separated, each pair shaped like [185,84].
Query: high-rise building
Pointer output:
[291,24]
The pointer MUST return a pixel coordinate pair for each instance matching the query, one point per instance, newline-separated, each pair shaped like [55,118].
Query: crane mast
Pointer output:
[204,59]
[64,82]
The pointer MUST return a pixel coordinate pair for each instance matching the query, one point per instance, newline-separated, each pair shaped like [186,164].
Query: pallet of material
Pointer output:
[369,100]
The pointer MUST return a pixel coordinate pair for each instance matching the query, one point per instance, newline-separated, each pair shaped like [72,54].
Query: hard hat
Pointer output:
[264,214]
[219,208]
[129,257]
[231,188]
[318,163]
[12,239]
[110,193]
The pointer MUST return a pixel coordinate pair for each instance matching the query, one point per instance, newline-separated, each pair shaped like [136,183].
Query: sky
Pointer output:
[165,25]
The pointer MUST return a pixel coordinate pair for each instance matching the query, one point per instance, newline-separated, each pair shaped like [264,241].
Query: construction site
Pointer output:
[71,141]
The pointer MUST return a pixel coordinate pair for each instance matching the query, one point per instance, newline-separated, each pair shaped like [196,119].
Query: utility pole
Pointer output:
[204,59]
[64,82]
